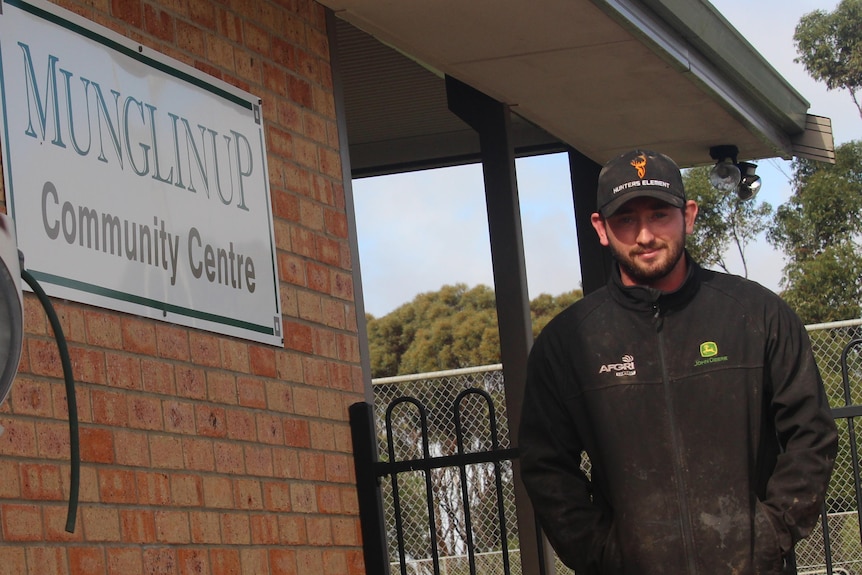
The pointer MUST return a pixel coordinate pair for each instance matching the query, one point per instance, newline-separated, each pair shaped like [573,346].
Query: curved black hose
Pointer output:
[71,401]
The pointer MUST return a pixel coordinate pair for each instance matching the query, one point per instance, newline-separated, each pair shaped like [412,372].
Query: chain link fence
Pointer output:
[433,432]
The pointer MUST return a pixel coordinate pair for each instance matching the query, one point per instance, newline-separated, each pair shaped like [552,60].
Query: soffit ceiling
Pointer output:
[601,77]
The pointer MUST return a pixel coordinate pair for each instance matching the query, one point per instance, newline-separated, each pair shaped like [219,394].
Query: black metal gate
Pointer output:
[821,553]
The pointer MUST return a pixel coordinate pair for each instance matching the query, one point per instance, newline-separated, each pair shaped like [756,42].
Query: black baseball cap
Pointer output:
[636,174]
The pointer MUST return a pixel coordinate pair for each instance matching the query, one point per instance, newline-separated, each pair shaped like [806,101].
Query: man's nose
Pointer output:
[645,235]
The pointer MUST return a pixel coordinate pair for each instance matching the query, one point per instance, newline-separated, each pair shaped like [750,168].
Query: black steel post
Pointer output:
[595,260]
[368,489]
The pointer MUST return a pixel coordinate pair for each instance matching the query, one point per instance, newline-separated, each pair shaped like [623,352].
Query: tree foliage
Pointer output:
[448,329]
[819,229]
[830,47]
[724,222]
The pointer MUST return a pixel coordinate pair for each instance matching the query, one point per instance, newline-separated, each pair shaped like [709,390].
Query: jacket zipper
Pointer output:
[678,465]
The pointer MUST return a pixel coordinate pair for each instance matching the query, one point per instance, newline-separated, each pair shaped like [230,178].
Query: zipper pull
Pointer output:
[658,320]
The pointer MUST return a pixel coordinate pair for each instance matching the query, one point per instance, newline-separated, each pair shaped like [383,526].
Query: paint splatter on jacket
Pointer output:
[703,414]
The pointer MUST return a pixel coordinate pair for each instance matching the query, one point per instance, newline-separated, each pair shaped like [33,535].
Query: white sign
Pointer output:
[136,182]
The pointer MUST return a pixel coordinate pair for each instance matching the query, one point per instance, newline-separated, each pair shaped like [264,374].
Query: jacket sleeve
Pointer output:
[804,427]
[550,447]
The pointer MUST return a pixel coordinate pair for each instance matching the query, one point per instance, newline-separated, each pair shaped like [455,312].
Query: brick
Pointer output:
[162,560]
[291,269]
[331,407]
[276,496]
[172,342]
[316,371]
[320,278]
[258,461]
[30,397]
[145,413]
[240,425]
[254,561]
[135,450]
[247,494]
[205,527]
[53,441]
[129,11]
[210,421]
[191,383]
[103,329]
[158,377]
[87,560]
[264,529]
[235,528]
[311,466]
[166,452]
[345,532]
[153,488]
[124,560]
[123,371]
[54,524]
[44,358]
[110,408]
[303,498]
[137,525]
[270,429]
[225,562]
[117,486]
[338,468]
[309,561]
[198,454]
[291,529]
[41,482]
[217,492]
[18,438]
[309,304]
[285,463]
[306,401]
[21,522]
[88,365]
[234,355]
[193,561]
[179,417]
[282,562]
[51,560]
[100,523]
[221,388]
[336,224]
[319,532]
[229,458]
[297,433]
[13,561]
[279,396]
[158,23]
[251,392]
[186,491]
[172,527]
[205,349]
[139,336]
[10,484]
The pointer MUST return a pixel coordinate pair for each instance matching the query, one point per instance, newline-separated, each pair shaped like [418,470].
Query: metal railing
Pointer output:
[434,448]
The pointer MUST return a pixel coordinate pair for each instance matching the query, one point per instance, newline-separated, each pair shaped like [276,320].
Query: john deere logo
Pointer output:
[708,349]
[709,354]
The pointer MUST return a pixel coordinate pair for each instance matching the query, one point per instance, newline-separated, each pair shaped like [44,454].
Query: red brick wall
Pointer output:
[204,454]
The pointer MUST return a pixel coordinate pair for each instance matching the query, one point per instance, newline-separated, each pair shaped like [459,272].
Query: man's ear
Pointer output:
[599,225]
[690,214]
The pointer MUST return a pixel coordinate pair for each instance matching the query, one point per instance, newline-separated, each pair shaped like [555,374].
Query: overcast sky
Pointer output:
[422,230]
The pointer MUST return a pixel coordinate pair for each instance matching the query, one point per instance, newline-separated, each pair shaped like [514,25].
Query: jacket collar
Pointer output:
[643,298]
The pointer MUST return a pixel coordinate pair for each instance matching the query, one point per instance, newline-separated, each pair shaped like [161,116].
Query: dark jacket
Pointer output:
[703,414]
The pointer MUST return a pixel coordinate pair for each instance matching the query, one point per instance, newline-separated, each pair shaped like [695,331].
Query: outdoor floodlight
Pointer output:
[724,175]
[750,184]
[11,307]
[729,176]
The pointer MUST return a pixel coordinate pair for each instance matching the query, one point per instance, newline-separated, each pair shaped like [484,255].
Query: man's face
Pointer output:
[647,238]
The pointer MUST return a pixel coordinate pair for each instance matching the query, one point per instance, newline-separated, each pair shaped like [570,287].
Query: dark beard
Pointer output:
[649,276]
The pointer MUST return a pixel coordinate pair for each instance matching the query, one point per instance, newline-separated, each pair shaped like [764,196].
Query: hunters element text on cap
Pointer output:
[639,173]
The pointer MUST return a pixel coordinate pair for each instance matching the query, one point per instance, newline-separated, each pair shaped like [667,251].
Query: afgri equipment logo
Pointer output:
[626,367]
